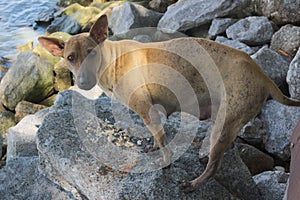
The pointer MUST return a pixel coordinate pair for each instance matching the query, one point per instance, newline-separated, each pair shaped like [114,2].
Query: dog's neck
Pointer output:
[114,56]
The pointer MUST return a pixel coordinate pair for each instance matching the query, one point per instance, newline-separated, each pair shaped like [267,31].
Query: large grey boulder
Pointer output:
[130,16]
[87,157]
[286,39]
[293,77]
[20,179]
[86,149]
[21,139]
[30,78]
[185,15]
[272,184]
[279,121]
[235,44]
[280,11]
[273,64]
[251,30]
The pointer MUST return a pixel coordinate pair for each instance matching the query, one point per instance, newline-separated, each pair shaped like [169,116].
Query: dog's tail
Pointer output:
[276,94]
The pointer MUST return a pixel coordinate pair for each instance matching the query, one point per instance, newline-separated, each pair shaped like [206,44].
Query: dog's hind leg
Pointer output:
[221,140]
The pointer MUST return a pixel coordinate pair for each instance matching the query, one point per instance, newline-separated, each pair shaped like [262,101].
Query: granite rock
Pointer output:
[219,25]
[185,15]
[280,11]
[235,44]
[130,16]
[251,30]
[286,39]
[273,64]
[21,139]
[20,179]
[272,184]
[97,165]
[279,121]
[293,77]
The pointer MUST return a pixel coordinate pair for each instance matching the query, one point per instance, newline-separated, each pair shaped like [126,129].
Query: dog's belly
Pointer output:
[197,104]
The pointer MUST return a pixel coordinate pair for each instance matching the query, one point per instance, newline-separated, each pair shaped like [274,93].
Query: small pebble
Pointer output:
[139,142]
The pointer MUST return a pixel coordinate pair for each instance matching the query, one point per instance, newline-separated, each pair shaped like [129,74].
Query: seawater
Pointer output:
[17,19]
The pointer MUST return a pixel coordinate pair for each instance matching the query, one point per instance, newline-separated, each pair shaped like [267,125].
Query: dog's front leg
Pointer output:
[141,103]
[156,128]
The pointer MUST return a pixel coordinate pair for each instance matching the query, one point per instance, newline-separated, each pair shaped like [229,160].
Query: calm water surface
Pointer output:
[17,18]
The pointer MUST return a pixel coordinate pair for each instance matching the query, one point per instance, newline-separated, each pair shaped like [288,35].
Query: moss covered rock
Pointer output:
[30,78]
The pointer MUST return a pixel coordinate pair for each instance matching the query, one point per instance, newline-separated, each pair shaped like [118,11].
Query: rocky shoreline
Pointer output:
[48,156]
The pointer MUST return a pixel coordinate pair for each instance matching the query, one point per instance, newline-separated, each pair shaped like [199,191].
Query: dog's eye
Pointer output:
[70,58]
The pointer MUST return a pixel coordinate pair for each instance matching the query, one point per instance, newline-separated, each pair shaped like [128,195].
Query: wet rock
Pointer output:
[286,39]
[21,139]
[272,184]
[63,78]
[161,5]
[20,179]
[293,77]
[219,25]
[253,132]
[273,64]
[235,44]
[64,24]
[73,19]
[251,30]
[64,3]
[25,108]
[129,16]
[45,16]
[280,11]
[7,120]
[256,161]
[235,176]
[30,78]
[279,121]
[97,168]
[185,15]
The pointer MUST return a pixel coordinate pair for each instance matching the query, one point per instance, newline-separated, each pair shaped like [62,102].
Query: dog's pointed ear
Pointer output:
[99,31]
[54,45]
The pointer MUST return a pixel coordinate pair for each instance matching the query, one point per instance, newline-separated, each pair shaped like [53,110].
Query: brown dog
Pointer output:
[243,86]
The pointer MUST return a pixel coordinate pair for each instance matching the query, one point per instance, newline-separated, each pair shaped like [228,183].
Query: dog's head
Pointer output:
[82,52]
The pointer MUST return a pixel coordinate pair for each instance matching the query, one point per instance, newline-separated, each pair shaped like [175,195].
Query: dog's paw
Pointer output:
[187,186]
